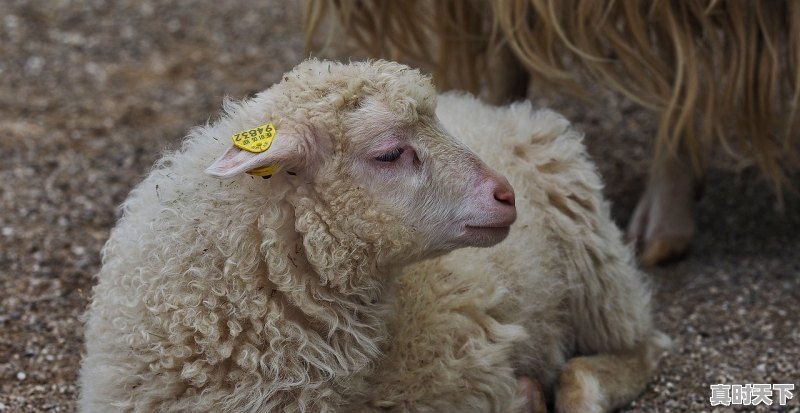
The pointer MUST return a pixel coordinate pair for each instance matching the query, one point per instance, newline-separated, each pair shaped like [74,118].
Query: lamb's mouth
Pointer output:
[487,227]
[501,224]
[485,236]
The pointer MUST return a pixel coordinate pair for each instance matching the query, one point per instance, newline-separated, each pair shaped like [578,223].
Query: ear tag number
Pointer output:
[257,140]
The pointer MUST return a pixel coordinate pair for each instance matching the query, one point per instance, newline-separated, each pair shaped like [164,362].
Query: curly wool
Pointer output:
[183,317]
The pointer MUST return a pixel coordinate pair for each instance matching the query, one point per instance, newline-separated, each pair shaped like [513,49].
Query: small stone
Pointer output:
[34,65]
[11,21]
[8,231]
[21,375]
[173,25]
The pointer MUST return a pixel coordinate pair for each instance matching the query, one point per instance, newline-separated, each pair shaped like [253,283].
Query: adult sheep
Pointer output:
[560,300]
[243,294]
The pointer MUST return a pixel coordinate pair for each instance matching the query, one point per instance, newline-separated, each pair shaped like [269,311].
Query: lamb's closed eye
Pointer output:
[390,156]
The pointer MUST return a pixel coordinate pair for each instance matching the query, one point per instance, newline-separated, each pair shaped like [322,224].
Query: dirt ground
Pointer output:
[92,91]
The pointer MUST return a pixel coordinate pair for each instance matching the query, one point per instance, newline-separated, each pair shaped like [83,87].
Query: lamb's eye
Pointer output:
[390,156]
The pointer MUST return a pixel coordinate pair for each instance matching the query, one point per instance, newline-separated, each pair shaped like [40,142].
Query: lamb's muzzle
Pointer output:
[495,198]
[504,194]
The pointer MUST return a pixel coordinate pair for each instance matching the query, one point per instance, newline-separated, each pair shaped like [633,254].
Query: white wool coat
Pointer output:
[460,327]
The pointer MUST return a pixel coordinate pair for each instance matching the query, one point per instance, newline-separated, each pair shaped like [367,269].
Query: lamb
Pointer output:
[290,294]
[242,294]
[559,301]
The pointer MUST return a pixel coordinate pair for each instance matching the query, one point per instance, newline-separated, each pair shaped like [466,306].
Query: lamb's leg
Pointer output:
[533,395]
[662,224]
[604,382]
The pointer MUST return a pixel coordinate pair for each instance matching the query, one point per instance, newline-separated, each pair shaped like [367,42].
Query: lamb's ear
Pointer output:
[286,151]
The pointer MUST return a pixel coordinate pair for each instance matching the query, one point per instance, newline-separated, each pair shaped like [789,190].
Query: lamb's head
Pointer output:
[363,139]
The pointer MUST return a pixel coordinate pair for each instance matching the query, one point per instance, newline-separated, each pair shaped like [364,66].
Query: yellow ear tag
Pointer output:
[264,170]
[257,140]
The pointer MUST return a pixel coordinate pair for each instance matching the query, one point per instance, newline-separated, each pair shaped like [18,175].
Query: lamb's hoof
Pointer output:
[578,391]
[534,396]
[662,225]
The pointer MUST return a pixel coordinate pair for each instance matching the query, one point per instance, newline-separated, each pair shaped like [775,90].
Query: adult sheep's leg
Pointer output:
[662,224]
[604,382]
[507,79]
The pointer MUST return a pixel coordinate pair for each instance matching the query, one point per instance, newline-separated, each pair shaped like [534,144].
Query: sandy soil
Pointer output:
[92,91]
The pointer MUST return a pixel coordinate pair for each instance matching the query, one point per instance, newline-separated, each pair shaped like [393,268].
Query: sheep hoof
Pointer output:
[662,225]
[534,396]
[665,249]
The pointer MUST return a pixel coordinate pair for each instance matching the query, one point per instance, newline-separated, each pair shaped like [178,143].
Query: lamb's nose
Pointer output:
[504,194]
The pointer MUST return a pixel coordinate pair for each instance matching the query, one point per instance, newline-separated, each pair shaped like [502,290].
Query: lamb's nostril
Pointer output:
[504,195]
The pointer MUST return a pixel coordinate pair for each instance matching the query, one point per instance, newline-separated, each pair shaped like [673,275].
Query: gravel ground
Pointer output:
[92,91]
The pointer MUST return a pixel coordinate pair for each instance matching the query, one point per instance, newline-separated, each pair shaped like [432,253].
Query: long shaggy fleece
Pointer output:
[712,70]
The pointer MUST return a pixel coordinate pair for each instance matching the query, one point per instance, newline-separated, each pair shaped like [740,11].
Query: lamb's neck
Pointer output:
[354,286]
[342,301]
[362,317]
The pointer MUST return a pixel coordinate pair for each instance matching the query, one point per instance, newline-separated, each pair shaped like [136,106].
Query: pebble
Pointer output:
[34,65]
[21,375]
[11,21]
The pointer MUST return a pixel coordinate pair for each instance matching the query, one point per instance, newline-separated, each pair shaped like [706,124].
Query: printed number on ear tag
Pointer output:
[255,140]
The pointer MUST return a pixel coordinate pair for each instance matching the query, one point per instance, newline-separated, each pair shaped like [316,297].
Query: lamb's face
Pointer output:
[438,189]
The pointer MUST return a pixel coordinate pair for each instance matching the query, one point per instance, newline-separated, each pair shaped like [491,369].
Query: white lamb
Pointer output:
[560,300]
[241,294]
[287,294]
